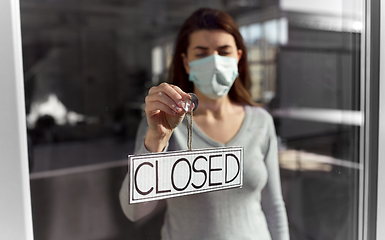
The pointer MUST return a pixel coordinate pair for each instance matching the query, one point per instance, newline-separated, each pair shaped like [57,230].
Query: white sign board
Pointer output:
[158,176]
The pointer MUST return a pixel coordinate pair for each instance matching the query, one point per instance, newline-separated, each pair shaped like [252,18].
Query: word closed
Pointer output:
[158,176]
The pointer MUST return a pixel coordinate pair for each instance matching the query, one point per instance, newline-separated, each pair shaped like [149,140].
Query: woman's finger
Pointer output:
[174,93]
[181,92]
[163,98]
[155,106]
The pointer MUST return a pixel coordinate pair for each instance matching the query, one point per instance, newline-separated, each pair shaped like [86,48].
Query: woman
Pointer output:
[210,60]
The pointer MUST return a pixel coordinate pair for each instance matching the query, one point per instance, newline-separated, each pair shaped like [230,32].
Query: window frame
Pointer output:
[15,203]
[380,210]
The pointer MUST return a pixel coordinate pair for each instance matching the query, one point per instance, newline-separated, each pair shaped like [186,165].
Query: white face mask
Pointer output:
[214,75]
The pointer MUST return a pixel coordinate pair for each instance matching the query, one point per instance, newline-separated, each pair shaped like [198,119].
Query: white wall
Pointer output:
[15,204]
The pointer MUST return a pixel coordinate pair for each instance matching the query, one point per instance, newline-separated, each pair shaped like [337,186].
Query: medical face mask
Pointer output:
[214,75]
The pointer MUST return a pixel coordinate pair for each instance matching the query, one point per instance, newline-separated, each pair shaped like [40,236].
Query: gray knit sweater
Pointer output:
[255,211]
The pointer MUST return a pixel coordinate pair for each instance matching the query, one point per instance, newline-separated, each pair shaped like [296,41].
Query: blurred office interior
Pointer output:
[89,64]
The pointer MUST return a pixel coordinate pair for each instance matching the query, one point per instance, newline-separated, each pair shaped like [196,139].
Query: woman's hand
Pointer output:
[164,112]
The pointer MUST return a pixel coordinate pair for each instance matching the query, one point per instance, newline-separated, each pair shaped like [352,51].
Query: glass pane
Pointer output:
[89,66]
[318,113]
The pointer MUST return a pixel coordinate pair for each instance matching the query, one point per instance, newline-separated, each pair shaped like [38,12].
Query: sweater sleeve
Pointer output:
[136,211]
[272,201]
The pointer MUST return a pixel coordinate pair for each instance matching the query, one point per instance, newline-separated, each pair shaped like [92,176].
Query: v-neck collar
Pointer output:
[233,141]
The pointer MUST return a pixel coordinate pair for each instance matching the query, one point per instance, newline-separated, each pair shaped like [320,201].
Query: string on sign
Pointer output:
[190,106]
[189,122]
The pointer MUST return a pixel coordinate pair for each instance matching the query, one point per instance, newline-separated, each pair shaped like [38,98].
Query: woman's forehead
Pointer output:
[211,38]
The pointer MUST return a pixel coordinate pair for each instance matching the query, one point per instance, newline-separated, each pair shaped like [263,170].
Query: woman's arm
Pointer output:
[136,211]
[163,114]
[272,201]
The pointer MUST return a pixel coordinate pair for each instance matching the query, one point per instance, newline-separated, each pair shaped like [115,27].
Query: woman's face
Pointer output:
[204,43]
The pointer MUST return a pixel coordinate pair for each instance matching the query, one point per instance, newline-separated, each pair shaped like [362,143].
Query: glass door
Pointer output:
[314,68]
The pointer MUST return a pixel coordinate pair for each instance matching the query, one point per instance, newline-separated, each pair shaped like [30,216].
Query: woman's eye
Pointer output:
[224,53]
[200,55]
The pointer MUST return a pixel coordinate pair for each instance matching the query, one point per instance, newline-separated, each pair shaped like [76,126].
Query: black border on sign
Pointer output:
[132,158]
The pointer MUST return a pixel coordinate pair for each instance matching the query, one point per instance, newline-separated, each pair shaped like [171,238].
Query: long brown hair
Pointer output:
[211,19]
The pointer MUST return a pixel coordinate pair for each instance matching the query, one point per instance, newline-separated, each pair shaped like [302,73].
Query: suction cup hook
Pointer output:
[193,102]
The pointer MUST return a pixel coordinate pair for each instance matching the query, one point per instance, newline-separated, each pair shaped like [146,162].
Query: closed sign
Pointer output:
[158,176]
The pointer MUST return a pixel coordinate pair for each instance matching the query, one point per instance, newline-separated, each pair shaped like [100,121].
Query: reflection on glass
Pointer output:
[263,40]
[89,67]
[255,32]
